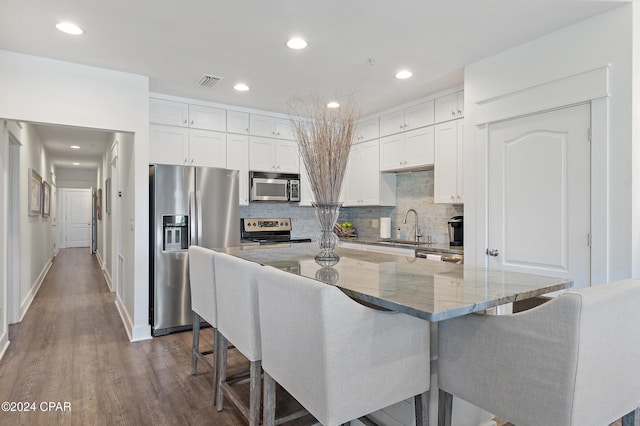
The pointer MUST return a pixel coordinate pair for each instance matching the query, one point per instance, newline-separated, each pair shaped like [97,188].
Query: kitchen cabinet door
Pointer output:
[262,125]
[207,118]
[419,115]
[238,122]
[419,147]
[449,107]
[306,193]
[287,156]
[367,130]
[208,149]
[448,162]
[370,173]
[162,111]
[364,184]
[262,155]
[168,144]
[238,159]
[392,152]
[285,129]
[392,123]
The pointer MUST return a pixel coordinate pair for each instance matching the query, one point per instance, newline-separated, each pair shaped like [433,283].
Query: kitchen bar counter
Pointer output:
[433,291]
[388,242]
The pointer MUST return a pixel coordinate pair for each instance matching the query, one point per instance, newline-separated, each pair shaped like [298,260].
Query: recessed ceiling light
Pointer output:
[296,43]
[241,87]
[401,75]
[76,164]
[333,104]
[69,28]
[74,147]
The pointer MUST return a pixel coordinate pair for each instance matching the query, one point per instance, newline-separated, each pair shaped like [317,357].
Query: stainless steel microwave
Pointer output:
[266,186]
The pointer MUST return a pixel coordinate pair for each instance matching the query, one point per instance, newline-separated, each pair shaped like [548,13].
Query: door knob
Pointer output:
[492,252]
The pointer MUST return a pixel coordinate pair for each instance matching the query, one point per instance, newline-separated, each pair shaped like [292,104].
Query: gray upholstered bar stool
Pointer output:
[239,323]
[203,305]
[572,361]
[339,359]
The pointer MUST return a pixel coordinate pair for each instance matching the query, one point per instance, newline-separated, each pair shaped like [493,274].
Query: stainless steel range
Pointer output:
[268,231]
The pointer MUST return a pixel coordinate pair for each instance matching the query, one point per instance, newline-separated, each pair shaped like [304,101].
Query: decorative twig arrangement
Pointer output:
[324,139]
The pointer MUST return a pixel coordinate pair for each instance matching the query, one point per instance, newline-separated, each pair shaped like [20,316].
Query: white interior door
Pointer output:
[539,195]
[78,217]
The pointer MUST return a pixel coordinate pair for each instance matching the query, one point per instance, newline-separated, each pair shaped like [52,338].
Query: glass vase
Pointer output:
[327,214]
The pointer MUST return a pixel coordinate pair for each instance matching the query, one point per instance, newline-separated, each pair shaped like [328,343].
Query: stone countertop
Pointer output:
[433,291]
[434,247]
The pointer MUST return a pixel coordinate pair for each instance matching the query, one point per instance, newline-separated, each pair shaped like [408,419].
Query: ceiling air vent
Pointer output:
[208,80]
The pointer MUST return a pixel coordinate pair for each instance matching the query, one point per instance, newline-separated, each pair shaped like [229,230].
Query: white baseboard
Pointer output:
[4,343]
[24,306]
[100,261]
[107,278]
[135,334]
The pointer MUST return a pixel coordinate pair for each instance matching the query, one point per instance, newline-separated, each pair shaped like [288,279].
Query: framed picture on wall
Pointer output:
[46,199]
[99,204]
[107,196]
[35,193]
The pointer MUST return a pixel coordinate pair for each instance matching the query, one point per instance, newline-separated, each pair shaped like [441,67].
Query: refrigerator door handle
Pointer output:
[192,229]
[199,214]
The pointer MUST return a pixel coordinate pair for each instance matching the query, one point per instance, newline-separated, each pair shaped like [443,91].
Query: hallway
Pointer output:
[71,347]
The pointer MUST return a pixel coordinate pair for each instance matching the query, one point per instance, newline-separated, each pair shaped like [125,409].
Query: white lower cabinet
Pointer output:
[183,146]
[449,138]
[238,159]
[364,184]
[273,155]
[410,150]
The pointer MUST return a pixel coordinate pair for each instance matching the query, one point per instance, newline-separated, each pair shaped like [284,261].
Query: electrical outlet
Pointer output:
[375,223]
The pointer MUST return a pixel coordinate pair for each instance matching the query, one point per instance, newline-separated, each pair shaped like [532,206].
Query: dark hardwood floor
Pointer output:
[72,348]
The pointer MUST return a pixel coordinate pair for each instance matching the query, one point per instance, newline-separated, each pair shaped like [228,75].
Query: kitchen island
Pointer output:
[433,291]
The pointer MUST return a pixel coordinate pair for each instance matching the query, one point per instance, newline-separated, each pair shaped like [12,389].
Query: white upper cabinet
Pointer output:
[364,184]
[449,137]
[412,150]
[207,118]
[271,127]
[238,122]
[407,119]
[238,159]
[181,146]
[450,107]
[273,155]
[171,113]
[367,130]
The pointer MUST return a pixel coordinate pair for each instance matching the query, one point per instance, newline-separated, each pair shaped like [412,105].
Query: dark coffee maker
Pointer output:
[456,229]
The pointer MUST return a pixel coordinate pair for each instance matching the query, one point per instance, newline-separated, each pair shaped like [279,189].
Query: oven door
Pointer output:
[263,189]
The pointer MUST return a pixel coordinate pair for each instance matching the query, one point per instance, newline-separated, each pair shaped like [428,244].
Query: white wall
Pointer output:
[35,231]
[48,91]
[557,61]
[76,178]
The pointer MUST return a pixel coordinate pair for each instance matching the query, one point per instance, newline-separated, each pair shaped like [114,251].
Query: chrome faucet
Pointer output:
[416,232]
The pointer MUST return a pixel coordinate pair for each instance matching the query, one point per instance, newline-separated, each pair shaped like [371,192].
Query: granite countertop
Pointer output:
[433,291]
[387,242]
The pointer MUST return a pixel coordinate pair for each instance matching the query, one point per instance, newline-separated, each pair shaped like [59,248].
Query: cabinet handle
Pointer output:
[192,122]
[453,198]
[184,122]
[459,112]
[453,113]
[246,130]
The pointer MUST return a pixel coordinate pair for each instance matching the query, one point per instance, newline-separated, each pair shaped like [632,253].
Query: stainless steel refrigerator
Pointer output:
[188,206]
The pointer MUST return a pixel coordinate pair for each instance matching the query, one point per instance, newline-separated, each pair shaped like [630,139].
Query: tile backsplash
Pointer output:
[414,190]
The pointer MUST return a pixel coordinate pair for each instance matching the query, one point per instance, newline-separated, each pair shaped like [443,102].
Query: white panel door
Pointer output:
[539,195]
[78,217]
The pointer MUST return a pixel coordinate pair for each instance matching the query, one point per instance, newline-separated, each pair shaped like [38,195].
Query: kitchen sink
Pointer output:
[399,243]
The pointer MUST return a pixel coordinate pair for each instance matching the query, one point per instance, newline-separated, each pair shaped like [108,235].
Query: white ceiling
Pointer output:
[174,43]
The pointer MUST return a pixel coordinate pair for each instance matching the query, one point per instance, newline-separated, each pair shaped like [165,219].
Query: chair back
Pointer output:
[237,297]
[202,283]
[332,353]
[574,360]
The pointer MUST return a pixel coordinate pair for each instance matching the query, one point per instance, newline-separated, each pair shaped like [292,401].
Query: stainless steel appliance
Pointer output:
[274,186]
[456,231]
[265,231]
[188,206]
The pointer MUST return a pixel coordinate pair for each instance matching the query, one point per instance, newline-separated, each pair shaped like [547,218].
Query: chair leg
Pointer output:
[269,409]
[216,354]
[445,405]
[632,418]
[421,403]
[255,389]
[221,368]
[196,343]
